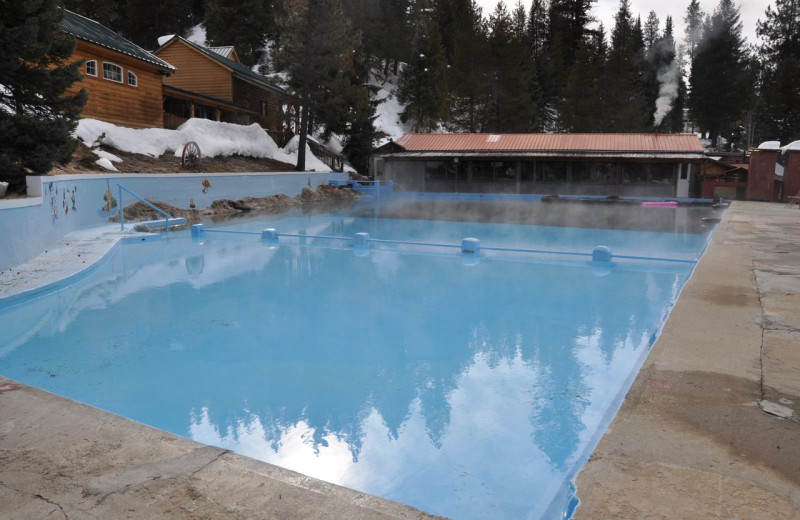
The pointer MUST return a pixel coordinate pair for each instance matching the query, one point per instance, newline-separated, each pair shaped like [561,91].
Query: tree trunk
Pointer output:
[301,146]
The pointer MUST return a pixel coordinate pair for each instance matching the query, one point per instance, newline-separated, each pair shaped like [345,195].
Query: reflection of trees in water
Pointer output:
[332,336]
[356,342]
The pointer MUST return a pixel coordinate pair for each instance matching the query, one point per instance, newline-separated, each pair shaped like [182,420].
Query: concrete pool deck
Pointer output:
[709,429]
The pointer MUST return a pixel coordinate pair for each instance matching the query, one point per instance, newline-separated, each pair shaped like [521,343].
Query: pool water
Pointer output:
[468,391]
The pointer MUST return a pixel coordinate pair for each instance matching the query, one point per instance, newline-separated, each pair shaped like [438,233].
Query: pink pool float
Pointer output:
[660,204]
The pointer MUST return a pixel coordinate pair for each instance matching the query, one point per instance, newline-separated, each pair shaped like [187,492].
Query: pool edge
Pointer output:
[63,442]
[690,440]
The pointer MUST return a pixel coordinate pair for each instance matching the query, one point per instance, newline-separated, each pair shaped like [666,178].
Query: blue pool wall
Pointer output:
[61,204]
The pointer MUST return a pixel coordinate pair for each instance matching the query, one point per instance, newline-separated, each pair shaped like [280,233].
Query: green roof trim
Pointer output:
[90,31]
[237,68]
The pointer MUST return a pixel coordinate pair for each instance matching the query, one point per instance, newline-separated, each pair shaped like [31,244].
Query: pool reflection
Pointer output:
[462,469]
[470,392]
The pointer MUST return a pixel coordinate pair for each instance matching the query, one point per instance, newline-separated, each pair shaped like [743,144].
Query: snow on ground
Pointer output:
[225,139]
[388,111]
[213,138]
[289,154]
[106,164]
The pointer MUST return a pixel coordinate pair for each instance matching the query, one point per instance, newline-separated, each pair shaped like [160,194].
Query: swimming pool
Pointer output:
[466,389]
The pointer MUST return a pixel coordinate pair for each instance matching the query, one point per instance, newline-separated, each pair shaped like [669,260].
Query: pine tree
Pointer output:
[37,117]
[423,83]
[105,12]
[581,105]
[652,58]
[315,48]
[355,122]
[395,36]
[538,28]
[718,78]
[468,78]
[445,12]
[143,21]
[244,24]
[674,120]
[625,102]
[652,30]
[694,27]
[543,84]
[779,114]
[568,28]
[511,106]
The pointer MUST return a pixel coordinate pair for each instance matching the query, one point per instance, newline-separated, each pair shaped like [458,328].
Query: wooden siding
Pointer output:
[250,95]
[196,72]
[120,103]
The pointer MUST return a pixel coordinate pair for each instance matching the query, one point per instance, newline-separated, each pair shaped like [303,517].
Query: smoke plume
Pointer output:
[668,79]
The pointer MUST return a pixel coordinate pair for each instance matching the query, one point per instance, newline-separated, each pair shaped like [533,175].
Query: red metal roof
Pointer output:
[551,142]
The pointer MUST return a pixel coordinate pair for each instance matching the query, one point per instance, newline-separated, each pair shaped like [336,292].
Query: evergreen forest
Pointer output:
[550,67]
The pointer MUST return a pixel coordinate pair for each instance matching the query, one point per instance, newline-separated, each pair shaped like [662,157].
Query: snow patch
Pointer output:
[389,109]
[770,145]
[214,139]
[794,145]
[164,39]
[290,153]
[105,155]
[105,163]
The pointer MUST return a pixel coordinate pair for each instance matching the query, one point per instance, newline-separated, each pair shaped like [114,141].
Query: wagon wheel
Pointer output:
[191,155]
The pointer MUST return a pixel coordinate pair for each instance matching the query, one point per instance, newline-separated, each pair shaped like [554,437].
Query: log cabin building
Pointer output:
[213,84]
[122,80]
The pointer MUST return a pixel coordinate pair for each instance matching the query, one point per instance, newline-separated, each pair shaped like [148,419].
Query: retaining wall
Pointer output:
[60,204]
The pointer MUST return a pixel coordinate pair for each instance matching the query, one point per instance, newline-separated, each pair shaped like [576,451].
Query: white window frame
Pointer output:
[112,65]
[134,77]
[86,68]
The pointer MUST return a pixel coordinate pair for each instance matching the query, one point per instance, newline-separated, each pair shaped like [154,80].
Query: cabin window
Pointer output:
[91,68]
[264,109]
[112,72]
[133,80]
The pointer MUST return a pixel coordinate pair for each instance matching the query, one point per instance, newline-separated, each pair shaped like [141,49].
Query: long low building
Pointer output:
[624,165]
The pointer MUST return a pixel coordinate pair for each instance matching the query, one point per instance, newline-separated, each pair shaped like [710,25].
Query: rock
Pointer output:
[308,196]
[225,208]
[776,409]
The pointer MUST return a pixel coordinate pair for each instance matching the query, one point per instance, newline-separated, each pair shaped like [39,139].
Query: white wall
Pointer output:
[60,204]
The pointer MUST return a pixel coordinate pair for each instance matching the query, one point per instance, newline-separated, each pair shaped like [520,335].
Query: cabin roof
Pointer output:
[90,31]
[226,51]
[574,143]
[236,68]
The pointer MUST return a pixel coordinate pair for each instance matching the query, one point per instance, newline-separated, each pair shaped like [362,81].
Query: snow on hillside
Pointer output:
[225,139]
[388,111]
[213,138]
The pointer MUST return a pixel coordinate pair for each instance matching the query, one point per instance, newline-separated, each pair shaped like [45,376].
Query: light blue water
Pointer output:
[466,391]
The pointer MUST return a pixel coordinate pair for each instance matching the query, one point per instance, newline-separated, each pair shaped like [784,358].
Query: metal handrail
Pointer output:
[122,209]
